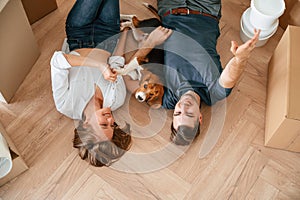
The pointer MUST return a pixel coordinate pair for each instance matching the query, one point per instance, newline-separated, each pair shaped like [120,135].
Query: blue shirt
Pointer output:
[191,59]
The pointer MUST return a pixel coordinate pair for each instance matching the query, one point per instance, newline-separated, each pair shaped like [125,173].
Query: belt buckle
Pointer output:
[185,13]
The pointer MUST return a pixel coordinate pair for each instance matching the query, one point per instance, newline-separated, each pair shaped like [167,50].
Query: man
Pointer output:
[193,70]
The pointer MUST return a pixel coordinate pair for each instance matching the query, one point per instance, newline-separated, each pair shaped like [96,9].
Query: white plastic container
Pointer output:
[245,36]
[264,13]
[5,158]
[249,28]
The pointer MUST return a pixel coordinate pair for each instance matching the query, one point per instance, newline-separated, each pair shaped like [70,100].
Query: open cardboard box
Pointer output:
[19,166]
[36,9]
[18,50]
[283,95]
[291,15]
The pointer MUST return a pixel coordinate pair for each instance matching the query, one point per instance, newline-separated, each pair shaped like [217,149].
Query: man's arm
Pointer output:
[236,65]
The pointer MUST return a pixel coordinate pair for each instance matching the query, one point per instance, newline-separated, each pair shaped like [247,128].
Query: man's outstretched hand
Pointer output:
[243,51]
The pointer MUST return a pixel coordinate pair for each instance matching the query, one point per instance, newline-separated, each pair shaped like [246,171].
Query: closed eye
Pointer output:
[187,114]
[176,113]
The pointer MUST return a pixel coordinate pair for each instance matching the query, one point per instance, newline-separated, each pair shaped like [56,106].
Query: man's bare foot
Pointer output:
[158,36]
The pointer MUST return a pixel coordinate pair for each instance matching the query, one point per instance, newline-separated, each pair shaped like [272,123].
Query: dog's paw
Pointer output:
[132,69]
[124,17]
[127,24]
[155,106]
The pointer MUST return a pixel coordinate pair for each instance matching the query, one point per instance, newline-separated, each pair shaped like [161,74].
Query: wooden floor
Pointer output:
[238,167]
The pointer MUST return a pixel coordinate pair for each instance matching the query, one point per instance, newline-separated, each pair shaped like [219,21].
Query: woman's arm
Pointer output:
[120,48]
[96,58]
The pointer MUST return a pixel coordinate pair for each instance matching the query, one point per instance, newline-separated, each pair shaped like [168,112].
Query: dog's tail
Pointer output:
[152,9]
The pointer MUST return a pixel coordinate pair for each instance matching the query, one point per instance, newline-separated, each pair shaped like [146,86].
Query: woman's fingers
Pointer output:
[110,75]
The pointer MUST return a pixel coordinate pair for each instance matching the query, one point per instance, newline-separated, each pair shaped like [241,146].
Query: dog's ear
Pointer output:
[135,22]
[156,106]
[142,60]
[146,76]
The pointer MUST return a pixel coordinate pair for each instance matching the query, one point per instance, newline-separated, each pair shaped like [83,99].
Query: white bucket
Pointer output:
[249,28]
[245,35]
[264,13]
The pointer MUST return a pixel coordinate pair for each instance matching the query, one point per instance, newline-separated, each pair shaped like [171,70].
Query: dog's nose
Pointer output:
[140,96]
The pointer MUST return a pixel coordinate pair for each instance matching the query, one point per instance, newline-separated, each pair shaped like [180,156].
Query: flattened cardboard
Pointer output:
[283,95]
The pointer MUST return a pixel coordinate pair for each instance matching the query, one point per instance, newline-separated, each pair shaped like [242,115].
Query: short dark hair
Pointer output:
[101,153]
[184,135]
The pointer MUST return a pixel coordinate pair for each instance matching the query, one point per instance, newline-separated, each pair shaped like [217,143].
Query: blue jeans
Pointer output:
[93,24]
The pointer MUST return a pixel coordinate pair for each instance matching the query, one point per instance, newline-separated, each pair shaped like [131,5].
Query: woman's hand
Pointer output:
[243,51]
[158,36]
[109,74]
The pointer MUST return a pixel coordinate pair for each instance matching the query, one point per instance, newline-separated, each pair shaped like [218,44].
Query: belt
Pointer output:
[186,11]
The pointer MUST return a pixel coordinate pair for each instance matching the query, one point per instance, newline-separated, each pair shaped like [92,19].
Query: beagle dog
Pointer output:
[151,90]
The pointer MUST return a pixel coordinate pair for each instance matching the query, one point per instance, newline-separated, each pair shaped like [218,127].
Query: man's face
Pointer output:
[187,111]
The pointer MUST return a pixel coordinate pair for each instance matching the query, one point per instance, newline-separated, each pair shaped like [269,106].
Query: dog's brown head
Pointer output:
[151,90]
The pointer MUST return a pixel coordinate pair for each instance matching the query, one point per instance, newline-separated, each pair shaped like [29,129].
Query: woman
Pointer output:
[85,88]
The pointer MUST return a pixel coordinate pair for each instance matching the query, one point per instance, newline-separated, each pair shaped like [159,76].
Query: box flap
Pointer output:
[293,110]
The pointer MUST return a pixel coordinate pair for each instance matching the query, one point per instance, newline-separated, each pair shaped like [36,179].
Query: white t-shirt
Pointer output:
[73,87]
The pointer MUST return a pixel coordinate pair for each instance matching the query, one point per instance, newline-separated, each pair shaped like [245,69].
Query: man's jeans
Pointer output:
[93,23]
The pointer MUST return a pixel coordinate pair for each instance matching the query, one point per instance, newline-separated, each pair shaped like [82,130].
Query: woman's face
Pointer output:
[103,123]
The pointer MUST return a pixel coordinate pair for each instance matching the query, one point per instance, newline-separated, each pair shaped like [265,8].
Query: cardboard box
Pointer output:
[19,166]
[18,50]
[283,94]
[289,16]
[295,15]
[36,9]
